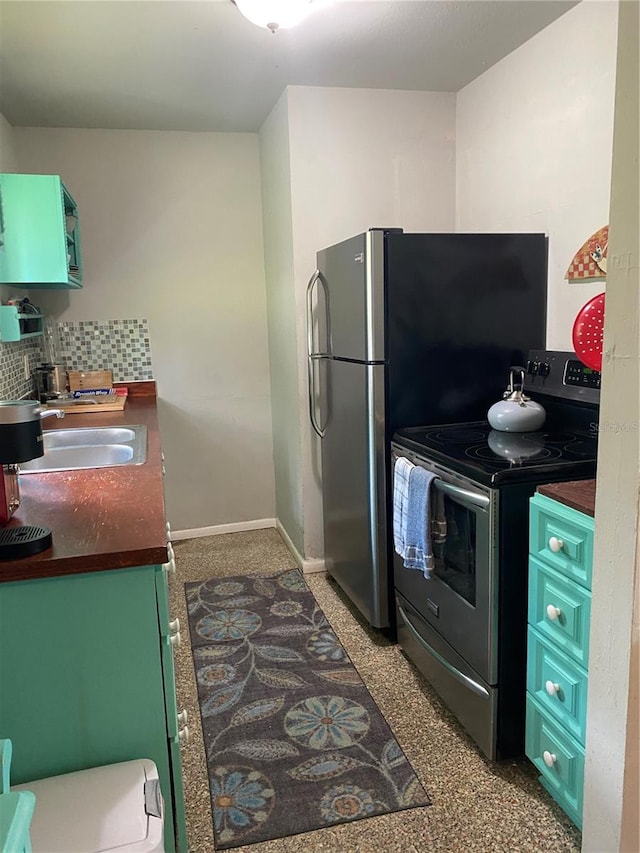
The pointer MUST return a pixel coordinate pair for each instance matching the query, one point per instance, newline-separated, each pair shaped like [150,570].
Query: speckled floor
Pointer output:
[476,806]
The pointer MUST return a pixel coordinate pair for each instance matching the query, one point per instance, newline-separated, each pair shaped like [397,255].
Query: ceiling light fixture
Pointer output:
[274,14]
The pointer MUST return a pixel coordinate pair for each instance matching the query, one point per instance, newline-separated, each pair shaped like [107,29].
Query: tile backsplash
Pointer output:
[122,345]
[14,383]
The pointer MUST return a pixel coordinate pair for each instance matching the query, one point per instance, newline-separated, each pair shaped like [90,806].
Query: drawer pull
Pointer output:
[556,544]
[553,612]
[184,735]
[551,688]
[176,640]
[549,758]
[174,626]
[183,717]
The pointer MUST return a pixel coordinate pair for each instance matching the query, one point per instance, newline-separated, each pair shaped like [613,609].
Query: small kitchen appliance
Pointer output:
[20,441]
[465,627]
[402,330]
[516,412]
[50,381]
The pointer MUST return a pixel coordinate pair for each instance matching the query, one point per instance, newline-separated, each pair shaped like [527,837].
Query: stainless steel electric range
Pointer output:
[465,627]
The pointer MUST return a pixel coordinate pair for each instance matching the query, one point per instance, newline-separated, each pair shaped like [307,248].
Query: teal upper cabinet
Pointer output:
[40,242]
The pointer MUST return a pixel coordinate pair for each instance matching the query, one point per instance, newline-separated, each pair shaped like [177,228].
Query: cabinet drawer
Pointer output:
[558,757]
[558,684]
[562,538]
[559,610]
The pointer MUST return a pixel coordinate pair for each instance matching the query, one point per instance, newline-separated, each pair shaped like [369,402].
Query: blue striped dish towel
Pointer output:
[401,472]
[418,547]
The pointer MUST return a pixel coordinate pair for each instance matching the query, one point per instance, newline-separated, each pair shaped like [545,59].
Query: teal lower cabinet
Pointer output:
[560,565]
[86,679]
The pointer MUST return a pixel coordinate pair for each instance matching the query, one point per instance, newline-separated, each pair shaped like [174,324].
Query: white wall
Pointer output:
[281,314]
[611,773]
[8,159]
[172,231]
[360,158]
[534,141]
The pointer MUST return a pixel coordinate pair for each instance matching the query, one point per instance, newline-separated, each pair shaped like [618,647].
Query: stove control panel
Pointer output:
[578,374]
[561,374]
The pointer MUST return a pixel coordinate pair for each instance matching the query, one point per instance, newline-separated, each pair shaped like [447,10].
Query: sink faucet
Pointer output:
[47,413]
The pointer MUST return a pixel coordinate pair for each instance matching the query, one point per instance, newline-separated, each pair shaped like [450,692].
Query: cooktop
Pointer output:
[496,458]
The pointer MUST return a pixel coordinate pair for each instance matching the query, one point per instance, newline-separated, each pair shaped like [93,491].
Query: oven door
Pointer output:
[459,601]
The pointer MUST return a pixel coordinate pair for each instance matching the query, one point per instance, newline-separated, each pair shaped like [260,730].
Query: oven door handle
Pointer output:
[460,676]
[462,494]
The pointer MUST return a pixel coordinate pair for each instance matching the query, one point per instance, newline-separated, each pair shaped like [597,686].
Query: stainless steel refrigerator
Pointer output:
[407,330]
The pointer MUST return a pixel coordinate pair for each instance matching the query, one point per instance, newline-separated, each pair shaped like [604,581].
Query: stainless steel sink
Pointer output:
[90,447]
[88,437]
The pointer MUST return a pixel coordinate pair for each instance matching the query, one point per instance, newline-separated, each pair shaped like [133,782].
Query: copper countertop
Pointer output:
[101,518]
[578,494]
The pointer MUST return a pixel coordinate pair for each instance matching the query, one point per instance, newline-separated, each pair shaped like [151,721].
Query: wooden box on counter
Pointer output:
[83,380]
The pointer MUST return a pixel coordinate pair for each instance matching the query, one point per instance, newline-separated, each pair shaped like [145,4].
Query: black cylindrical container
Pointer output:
[20,431]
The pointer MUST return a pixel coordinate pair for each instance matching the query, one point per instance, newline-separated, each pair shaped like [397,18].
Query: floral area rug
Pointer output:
[294,740]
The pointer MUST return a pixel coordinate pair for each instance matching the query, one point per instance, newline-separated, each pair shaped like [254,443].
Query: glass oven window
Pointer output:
[454,548]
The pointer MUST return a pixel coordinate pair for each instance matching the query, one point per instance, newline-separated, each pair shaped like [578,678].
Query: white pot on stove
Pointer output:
[516,412]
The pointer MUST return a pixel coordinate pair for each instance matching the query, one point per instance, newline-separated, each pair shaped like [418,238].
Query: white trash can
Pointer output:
[117,807]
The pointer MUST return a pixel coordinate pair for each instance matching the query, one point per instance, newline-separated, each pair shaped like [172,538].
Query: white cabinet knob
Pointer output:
[170,567]
[176,640]
[555,544]
[553,612]
[174,626]
[552,688]
[183,717]
[164,470]
[549,758]
[184,734]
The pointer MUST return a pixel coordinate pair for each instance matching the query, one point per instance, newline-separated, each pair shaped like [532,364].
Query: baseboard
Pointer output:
[307,566]
[237,527]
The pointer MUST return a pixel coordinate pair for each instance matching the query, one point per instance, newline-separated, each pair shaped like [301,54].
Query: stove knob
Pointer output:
[544,369]
[532,368]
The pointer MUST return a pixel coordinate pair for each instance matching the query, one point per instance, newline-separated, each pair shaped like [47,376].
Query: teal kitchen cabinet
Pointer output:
[40,243]
[559,608]
[16,325]
[86,668]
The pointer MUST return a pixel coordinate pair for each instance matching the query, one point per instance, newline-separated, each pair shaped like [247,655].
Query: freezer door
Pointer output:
[354,485]
[353,275]
[461,309]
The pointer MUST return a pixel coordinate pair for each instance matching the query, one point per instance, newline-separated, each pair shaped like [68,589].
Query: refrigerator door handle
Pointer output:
[311,355]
